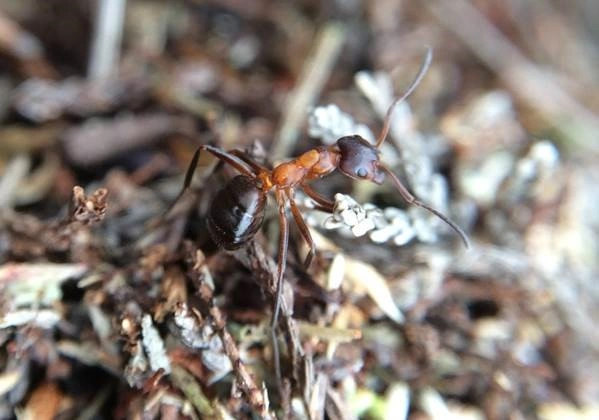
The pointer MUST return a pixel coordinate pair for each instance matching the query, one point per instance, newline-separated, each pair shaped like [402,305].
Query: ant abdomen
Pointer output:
[236,213]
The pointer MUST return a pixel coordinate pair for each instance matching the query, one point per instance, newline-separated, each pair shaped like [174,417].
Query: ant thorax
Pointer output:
[288,174]
[314,163]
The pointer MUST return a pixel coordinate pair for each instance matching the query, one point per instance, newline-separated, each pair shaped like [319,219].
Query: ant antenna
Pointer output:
[403,191]
[387,122]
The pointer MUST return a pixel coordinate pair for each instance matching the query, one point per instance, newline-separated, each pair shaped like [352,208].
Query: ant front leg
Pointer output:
[323,203]
[303,228]
[281,264]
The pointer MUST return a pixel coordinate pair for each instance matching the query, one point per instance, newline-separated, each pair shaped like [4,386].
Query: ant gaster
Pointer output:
[237,212]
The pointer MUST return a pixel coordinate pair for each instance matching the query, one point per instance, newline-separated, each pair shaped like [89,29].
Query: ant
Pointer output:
[237,212]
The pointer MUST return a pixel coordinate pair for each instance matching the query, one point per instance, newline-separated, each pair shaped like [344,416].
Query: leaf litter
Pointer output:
[111,306]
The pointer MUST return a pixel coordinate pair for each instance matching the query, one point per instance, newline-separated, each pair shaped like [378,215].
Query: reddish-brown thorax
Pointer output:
[313,164]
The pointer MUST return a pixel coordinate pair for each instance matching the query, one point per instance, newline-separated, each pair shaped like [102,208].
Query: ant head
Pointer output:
[359,159]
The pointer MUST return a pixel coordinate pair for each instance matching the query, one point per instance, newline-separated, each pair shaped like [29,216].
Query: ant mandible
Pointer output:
[237,212]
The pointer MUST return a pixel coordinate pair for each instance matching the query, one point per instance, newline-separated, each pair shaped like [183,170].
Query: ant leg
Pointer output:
[303,228]
[229,158]
[403,191]
[282,261]
[219,154]
[324,204]
[255,165]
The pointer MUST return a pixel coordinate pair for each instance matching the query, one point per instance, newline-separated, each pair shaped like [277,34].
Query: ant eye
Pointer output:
[237,212]
[362,172]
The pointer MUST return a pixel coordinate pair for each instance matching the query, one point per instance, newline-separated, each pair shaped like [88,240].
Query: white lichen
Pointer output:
[154,346]
[201,336]
[390,224]
[329,123]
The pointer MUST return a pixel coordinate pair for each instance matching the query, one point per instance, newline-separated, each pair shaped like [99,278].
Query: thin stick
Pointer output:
[245,380]
[314,74]
[107,38]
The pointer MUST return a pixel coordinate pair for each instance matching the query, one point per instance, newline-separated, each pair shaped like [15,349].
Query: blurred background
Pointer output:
[502,135]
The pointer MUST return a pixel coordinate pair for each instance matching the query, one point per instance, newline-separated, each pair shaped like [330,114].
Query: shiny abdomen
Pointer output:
[236,213]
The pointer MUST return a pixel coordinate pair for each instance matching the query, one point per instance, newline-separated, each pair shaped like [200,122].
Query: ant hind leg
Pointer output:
[254,165]
[281,264]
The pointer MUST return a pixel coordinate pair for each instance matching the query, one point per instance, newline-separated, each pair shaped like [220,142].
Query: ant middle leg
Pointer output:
[255,165]
[303,228]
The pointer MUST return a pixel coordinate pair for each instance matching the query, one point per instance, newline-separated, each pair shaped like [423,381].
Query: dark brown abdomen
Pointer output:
[236,213]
